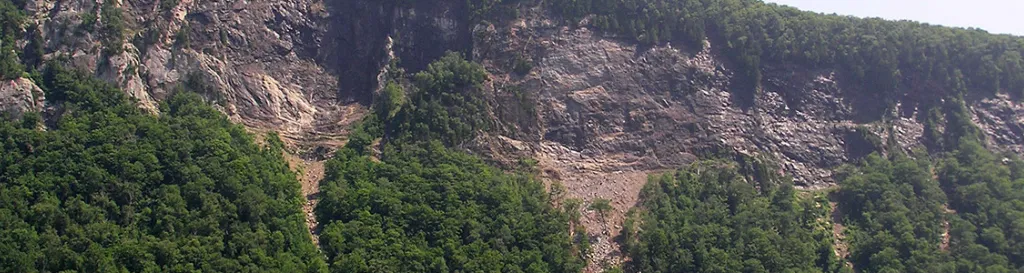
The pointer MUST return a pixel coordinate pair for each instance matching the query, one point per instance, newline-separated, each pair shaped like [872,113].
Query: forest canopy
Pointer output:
[893,211]
[960,214]
[709,217]
[107,187]
[955,208]
[425,208]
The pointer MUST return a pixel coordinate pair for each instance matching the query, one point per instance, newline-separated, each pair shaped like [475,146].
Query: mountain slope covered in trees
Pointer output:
[107,187]
[951,208]
[410,204]
[708,217]
[899,213]
[94,184]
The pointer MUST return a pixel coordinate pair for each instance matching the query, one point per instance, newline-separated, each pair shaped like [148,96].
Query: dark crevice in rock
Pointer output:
[358,32]
[354,50]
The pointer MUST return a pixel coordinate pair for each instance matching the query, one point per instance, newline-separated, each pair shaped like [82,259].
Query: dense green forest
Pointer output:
[107,187]
[894,214]
[412,205]
[11,20]
[709,218]
[961,212]
[448,104]
[987,194]
[895,205]
[425,208]
[896,211]
[883,56]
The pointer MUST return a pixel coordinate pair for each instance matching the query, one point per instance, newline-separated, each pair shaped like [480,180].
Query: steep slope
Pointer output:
[609,109]
[103,186]
[600,105]
[299,68]
[261,61]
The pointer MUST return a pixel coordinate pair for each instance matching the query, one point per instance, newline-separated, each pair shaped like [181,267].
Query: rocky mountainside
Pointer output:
[261,61]
[597,112]
[309,68]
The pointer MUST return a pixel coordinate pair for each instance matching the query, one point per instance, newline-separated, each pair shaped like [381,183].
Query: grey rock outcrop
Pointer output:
[663,107]
[1002,120]
[20,96]
[304,68]
[259,60]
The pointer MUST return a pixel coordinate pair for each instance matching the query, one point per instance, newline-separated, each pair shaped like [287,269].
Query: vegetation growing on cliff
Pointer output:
[11,19]
[112,29]
[107,187]
[448,104]
[883,56]
[895,211]
[418,206]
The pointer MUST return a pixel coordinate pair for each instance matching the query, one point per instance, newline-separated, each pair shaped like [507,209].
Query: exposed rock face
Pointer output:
[304,68]
[1002,120]
[607,113]
[260,60]
[599,114]
[299,67]
[20,96]
[659,108]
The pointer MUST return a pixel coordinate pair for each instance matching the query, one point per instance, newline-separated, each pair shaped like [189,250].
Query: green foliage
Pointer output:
[572,207]
[447,105]
[181,38]
[109,188]
[894,206]
[894,216]
[390,101]
[959,126]
[988,195]
[112,28]
[417,206]
[426,208]
[601,205]
[33,53]
[481,10]
[167,5]
[708,218]
[10,22]
[885,56]
[11,19]
[88,21]
[522,65]
[10,67]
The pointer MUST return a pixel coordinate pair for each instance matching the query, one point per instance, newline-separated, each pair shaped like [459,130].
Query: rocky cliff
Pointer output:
[597,112]
[260,61]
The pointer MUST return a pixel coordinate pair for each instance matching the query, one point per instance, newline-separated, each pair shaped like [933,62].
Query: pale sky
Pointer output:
[995,16]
